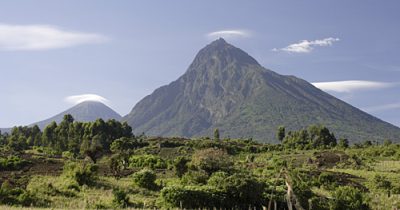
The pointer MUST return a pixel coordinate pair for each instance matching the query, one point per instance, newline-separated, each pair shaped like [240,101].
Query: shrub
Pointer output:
[121,199]
[242,190]
[125,144]
[12,163]
[180,166]
[150,161]
[145,178]
[67,155]
[19,196]
[326,179]
[217,178]
[318,203]
[345,197]
[381,182]
[192,197]
[81,173]
[212,160]
[195,178]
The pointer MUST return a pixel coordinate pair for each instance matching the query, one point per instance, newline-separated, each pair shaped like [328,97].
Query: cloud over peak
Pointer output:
[352,85]
[306,46]
[43,37]
[77,99]
[228,34]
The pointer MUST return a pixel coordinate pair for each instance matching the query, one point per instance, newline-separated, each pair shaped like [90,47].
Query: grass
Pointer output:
[379,198]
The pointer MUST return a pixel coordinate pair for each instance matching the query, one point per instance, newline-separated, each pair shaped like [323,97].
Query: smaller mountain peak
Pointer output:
[90,102]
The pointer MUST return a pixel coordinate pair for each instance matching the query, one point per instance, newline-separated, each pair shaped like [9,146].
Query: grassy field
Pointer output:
[46,178]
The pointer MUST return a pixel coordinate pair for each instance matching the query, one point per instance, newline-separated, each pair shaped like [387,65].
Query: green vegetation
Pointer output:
[12,162]
[145,178]
[309,169]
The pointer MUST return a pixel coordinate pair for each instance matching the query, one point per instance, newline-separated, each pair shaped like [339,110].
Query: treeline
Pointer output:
[68,135]
[312,137]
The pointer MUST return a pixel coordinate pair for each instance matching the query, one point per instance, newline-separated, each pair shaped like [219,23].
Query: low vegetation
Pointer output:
[101,165]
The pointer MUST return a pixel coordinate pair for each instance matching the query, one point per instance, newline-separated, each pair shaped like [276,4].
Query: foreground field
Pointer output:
[175,173]
[101,165]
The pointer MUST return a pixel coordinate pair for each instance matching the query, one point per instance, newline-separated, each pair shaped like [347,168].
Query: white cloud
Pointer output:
[43,37]
[352,85]
[382,107]
[306,46]
[76,99]
[229,34]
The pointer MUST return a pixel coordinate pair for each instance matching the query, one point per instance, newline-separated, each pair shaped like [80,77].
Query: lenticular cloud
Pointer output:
[76,99]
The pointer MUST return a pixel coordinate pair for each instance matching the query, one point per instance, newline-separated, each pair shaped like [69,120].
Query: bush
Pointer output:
[345,197]
[12,163]
[195,178]
[318,203]
[217,178]
[242,190]
[327,180]
[121,199]
[19,196]
[145,178]
[125,144]
[180,166]
[192,197]
[381,182]
[212,160]
[67,155]
[81,173]
[150,161]
[238,191]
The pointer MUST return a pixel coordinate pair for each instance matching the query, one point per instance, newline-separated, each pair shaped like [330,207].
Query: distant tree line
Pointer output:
[312,137]
[68,135]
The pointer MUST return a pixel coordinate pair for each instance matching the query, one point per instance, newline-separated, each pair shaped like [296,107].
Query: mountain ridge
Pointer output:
[226,88]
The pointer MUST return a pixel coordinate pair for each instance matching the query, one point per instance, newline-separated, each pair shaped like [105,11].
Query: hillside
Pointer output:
[225,88]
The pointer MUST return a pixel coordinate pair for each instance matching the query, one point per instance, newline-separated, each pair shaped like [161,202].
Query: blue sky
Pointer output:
[123,50]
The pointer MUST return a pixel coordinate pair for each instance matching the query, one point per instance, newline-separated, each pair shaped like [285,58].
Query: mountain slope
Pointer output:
[226,88]
[84,112]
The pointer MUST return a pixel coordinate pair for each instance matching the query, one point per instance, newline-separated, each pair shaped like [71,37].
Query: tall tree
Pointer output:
[281,133]
[216,135]
[49,135]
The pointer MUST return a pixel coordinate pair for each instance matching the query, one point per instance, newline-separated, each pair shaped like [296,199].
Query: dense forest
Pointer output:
[102,165]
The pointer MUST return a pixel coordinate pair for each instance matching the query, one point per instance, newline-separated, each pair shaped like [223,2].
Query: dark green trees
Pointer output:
[23,136]
[281,133]
[180,166]
[87,138]
[216,135]
[315,136]
[49,135]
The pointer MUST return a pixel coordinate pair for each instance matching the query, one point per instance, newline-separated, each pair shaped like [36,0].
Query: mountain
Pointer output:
[84,112]
[225,88]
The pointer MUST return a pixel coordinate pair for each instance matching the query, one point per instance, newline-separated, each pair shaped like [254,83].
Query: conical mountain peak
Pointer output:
[85,111]
[219,42]
[221,54]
